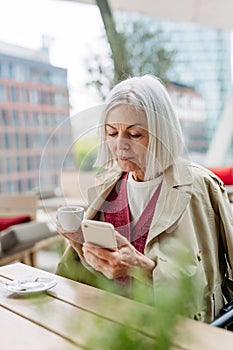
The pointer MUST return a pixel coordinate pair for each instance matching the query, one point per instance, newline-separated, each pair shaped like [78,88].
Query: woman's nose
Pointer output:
[122,143]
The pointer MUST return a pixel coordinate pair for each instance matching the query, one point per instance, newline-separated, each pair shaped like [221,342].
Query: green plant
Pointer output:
[85,151]
[146,52]
[168,302]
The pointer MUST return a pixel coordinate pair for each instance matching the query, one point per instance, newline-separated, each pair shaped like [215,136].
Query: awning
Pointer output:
[213,13]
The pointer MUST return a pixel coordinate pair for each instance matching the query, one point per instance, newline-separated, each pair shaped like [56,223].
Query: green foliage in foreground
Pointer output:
[158,321]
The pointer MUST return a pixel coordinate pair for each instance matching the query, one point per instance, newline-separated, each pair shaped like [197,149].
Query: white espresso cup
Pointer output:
[70,217]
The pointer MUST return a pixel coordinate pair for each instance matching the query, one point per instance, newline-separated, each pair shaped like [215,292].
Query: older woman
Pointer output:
[156,201]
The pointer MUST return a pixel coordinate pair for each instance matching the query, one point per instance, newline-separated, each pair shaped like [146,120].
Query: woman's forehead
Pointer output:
[126,114]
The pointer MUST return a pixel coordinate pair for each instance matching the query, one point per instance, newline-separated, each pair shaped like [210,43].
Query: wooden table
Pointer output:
[63,317]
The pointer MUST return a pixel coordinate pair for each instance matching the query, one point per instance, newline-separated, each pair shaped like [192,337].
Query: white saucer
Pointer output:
[41,284]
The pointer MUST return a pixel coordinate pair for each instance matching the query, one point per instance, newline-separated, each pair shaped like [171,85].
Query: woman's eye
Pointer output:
[135,136]
[112,134]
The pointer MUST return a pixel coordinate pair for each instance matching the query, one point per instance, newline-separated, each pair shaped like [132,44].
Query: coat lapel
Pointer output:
[98,194]
[174,198]
[168,211]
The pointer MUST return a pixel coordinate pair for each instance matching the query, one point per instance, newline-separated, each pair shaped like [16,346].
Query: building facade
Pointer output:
[190,106]
[35,130]
[203,62]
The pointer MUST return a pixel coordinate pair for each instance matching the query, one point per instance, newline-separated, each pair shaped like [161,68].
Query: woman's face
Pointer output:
[126,133]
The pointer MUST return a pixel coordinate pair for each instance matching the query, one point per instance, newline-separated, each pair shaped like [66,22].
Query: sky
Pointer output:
[74,29]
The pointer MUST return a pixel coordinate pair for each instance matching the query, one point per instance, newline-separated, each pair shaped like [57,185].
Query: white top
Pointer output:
[140,193]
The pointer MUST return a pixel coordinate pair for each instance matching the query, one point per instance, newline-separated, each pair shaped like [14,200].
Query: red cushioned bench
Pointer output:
[21,236]
[226,175]
[9,221]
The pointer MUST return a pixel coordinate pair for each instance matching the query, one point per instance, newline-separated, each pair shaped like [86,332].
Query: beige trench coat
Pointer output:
[192,211]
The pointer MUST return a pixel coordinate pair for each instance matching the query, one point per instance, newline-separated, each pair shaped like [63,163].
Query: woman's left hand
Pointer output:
[114,264]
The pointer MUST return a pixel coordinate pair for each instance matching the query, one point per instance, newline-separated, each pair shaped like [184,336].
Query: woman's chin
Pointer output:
[127,166]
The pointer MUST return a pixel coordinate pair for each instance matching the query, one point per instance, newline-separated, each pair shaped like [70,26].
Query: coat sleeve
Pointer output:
[225,214]
[225,222]
[70,266]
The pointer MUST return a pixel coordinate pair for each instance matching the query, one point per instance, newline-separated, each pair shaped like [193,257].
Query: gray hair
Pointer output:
[147,94]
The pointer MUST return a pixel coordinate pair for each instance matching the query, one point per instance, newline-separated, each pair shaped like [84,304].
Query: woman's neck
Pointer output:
[138,176]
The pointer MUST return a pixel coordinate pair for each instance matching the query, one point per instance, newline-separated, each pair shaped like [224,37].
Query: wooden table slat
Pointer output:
[59,317]
[72,309]
[28,335]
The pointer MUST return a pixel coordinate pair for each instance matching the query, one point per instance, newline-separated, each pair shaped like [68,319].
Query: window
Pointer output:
[13,91]
[2,93]
[51,98]
[27,141]
[19,186]
[35,118]
[33,97]
[36,141]
[20,73]
[29,163]
[30,184]
[17,141]
[1,141]
[7,143]
[11,68]
[21,140]
[37,162]
[23,95]
[10,187]
[4,117]
[18,164]
[42,97]
[15,117]
[43,120]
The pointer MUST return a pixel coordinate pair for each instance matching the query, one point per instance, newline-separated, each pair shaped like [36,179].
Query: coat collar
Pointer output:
[174,197]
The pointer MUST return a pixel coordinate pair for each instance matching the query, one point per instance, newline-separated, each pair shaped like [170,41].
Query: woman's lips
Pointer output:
[125,158]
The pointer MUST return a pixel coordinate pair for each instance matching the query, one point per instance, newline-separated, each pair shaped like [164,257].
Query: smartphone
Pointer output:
[100,233]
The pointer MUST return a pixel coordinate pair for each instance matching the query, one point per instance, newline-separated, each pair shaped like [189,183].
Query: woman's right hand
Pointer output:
[75,238]
[76,235]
